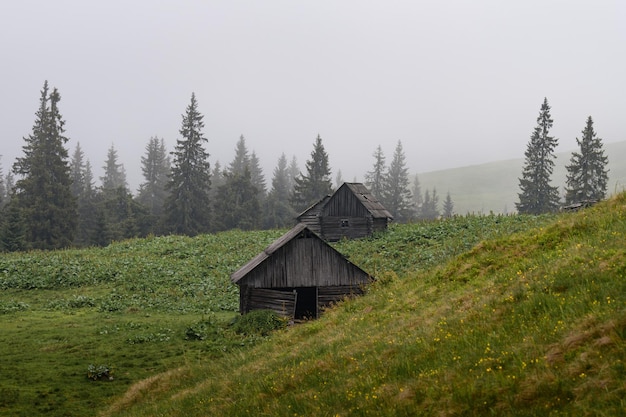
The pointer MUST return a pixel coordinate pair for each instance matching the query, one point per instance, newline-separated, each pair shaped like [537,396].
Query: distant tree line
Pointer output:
[50,201]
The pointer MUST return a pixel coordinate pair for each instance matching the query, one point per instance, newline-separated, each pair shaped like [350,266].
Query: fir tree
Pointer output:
[396,195]
[236,204]
[155,166]
[292,172]
[430,207]
[418,199]
[241,161]
[537,195]
[43,193]
[88,212]
[77,171]
[339,179]
[279,213]
[448,206]
[187,207]
[587,175]
[316,183]
[13,229]
[256,176]
[375,179]
[114,173]
[9,185]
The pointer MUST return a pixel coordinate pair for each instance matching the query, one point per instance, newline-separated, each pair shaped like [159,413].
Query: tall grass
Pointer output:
[527,324]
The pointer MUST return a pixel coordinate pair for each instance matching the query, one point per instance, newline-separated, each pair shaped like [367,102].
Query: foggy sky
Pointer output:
[458,82]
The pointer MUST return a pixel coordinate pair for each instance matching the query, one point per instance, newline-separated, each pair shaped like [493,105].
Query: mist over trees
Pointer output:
[51,201]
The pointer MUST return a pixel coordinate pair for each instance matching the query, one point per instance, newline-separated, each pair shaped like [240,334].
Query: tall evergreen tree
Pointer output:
[448,206]
[279,213]
[237,204]
[375,179]
[396,195]
[256,176]
[114,172]
[292,172]
[77,171]
[316,183]
[43,193]
[418,199]
[587,174]
[12,229]
[9,185]
[88,211]
[338,179]
[537,195]
[241,161]
[155,166]
[187,208]
[430,207]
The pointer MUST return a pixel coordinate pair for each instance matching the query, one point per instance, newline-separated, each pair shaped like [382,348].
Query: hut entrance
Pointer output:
[306,303]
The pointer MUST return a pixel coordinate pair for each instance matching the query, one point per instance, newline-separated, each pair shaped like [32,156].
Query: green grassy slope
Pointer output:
[493,187]
[526,324]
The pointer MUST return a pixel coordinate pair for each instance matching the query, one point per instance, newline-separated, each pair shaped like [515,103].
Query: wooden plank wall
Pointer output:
[358,227]
[282,303]
[329,295]
[305,262]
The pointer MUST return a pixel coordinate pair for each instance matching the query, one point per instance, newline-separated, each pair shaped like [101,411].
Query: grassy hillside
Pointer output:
[529,323]
[493,187]
[71,320]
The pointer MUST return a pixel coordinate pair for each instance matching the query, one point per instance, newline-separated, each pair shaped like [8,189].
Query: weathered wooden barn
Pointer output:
[351,212]
[297,276]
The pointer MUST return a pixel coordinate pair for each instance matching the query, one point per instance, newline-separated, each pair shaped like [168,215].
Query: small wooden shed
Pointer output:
[351,212]
[297,276]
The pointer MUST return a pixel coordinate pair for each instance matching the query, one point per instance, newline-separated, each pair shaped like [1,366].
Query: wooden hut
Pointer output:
[297,276]
[351,212]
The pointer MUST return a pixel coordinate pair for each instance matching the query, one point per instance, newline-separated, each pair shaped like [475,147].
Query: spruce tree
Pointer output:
[155,167]
[292,172]
[187,207]
[241,161]
[375,179]
[316,183]
[418,199]
[396,195]
[114,172]
[88,211]
[256,176]
[587,175]
[237,204]
[43,192]
[448,206]
[278,212]
[537,195]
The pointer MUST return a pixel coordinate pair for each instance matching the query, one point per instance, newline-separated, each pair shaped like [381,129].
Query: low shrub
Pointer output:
[259,322]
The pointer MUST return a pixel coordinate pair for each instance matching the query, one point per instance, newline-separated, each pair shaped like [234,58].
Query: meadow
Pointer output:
[475,315]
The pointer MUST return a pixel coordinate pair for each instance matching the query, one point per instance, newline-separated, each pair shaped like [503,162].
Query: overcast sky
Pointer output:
[458,82]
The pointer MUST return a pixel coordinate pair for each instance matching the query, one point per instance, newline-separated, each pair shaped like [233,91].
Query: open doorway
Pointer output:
[306,304]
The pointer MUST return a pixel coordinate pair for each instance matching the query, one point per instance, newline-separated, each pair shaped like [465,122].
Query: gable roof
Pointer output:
[267,252]
[360,191]
[300,229]
[371,203]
